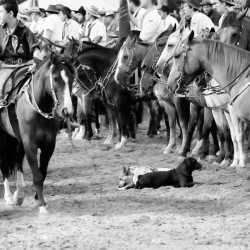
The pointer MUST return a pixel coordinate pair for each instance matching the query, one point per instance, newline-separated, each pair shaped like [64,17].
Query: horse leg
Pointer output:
[111,113]
[18,196]
[38,179]
[122,118]
[87,111]
[182,107]
[152,130]
[97,123]
[218,121]
[194,113]
[216,146]
[199,128]
[8,150]
[170,110]
[228,140]
[239,130]
[79,133]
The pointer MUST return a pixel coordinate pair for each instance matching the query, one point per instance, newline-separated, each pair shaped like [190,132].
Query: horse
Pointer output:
[29,120]
[164,65]
[223,62]
[119,101]
[129,59]
[150,82]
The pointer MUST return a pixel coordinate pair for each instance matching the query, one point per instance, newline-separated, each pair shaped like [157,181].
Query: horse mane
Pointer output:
[61,58]
[231,20]
[221,53]
[88,46]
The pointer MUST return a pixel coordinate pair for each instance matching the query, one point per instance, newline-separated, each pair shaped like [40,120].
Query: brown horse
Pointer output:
[230,66]
[30,121]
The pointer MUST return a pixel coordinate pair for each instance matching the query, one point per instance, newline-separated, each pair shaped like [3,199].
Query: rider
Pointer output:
[151,22]
[19,45]
[200,23]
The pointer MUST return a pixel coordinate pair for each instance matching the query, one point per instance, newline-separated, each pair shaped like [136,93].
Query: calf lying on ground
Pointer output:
[129,175]
[178,177]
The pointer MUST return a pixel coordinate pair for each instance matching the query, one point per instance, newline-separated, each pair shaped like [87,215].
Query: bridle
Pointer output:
[33,102]
[93,83]
[133,63]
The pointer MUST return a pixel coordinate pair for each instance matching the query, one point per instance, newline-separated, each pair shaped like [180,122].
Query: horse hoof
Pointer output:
[18,201]
[9,206]
[211,157]
[216,163]
[43,210]
[224,163]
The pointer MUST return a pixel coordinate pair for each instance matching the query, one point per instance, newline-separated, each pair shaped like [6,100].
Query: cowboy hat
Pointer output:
[230,2]
[206,2]
[81,11]
[66,11]
[92,10]
[109,13]
[52,9]
[33,10]
[194,3]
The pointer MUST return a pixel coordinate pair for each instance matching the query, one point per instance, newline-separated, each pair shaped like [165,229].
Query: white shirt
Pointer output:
[151,26]
[97,28]
[200,22]
[72,29]
[54,23]
[138,14]
[170,21]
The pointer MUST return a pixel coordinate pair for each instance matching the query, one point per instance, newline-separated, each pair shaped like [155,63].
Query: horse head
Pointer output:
[127,60]
[59,74]
[149,75]
[164,64]
[185,65]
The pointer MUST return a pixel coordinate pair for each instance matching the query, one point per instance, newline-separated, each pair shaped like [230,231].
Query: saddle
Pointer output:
[12,78]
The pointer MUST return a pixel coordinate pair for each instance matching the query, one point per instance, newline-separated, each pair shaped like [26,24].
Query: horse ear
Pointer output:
[54,58]
[212,30]
[191,36]
[173,28]
[242,14]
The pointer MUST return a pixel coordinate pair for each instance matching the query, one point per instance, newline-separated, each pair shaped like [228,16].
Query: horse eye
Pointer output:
[170,45]
[176,56]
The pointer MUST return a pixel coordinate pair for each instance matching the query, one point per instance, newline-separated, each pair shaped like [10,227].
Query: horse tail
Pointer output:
[8,153]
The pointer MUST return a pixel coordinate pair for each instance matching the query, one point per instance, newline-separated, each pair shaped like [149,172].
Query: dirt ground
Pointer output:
[88,212]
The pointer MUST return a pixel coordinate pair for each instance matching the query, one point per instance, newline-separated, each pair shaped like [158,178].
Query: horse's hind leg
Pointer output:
[18,196]
[8,149]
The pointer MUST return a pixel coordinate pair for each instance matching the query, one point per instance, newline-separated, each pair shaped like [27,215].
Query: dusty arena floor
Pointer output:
[87,212]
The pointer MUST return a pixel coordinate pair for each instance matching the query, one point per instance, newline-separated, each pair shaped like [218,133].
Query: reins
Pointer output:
[33,102]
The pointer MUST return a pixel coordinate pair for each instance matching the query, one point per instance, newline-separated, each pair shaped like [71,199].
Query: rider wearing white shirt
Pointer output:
[95,30]
[151,23]
[138,13]
[167,18]
[53,26]
[200,23]
[71,27]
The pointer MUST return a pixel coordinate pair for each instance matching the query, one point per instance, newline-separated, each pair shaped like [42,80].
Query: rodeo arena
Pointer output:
[124,124]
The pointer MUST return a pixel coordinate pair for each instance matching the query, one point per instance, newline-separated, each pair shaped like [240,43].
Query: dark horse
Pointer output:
[96,65]
[30,121]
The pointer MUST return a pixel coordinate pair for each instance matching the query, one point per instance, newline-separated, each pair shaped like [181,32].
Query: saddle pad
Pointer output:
[5,87]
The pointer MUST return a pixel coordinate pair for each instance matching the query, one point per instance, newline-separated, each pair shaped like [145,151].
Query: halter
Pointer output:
[230,84]
[33,103]
[134,58]
[93,83]
[181,68]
